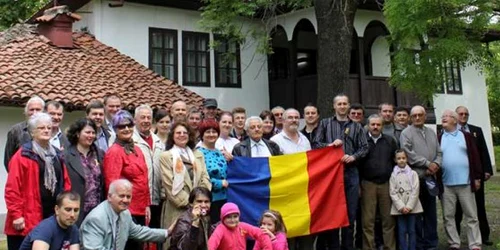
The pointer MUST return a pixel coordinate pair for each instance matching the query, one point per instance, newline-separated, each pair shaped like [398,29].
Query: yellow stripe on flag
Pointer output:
[289,192]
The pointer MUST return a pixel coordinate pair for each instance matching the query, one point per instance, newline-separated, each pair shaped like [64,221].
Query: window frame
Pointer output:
[163,31]
[455,66]
[197,36]
[217,63]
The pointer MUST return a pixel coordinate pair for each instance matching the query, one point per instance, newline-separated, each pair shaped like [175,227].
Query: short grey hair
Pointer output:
[252,118]
[277,107]
[417,107]
[119,183]
[38,118]
[374,116]
[33,99]
[290,110]
[143,107]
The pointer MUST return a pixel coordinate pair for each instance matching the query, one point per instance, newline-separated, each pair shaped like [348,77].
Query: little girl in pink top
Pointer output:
[231,234]
[271,223]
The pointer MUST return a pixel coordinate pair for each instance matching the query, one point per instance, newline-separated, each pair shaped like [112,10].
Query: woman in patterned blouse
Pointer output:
[84,163]
[216,166]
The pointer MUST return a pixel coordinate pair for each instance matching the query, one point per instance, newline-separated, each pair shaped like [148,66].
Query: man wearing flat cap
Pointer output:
[210,109]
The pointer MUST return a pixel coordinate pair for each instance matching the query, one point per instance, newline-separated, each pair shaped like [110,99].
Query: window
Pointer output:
[278,64]
[196,59]
[163,52]
[227,64]
[453,80]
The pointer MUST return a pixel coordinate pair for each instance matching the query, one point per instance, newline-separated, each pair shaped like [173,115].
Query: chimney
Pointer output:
[57,25]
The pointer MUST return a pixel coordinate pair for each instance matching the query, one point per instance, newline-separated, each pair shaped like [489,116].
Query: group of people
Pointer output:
[114,180]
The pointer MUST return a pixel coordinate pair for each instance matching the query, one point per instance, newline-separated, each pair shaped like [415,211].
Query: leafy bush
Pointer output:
[496,138]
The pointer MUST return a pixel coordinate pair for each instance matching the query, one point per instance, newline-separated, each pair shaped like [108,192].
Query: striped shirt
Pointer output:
[351,133]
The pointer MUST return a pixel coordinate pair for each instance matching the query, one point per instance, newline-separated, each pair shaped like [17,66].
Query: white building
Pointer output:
[165,36]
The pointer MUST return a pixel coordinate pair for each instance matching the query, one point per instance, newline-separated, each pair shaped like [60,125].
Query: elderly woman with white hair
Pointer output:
[255,145]
[36,176]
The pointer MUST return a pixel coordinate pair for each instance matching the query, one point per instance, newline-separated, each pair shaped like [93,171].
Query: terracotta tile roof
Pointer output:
[51,13]
[30,65]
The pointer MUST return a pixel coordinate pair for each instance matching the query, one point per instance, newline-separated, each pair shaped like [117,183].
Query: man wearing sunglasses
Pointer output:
[477,134]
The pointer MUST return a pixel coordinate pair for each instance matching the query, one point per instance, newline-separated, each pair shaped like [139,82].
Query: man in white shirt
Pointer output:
[291,141]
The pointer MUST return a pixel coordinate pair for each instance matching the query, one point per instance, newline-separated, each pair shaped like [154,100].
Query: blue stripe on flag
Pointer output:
[249,186]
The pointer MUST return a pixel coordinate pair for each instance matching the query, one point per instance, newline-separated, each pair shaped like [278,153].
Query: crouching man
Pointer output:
[58,231]
[109,225]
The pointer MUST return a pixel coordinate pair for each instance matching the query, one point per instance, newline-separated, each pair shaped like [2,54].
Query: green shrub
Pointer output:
[496,138]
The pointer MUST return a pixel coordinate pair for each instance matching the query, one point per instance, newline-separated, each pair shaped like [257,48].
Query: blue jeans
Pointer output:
[426,223]
[330,239]
[406,228]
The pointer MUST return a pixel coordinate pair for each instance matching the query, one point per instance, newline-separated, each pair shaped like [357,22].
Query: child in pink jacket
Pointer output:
[231,234]
[271,223]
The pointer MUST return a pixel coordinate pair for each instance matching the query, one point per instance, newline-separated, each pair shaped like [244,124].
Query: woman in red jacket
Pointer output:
[124,160]
[36,176]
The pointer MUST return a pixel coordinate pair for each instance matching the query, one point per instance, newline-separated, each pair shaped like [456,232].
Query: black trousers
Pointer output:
[484,226]
[14,242]
[215,207]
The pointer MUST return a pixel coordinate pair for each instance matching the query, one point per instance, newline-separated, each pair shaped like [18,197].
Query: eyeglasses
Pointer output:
[356,113]
[123,126]
[463,114]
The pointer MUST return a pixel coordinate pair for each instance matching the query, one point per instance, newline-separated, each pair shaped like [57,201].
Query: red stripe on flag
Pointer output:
[327,200]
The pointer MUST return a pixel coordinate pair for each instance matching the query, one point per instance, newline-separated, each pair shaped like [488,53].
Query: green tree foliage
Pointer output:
[225,17]
[15,11]
[426,35]
[335,26]
[493,84]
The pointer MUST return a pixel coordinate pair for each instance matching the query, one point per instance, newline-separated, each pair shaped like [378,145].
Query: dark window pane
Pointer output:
[202,73]
[157,68]
[233,63]
[157,56]
[191,59]
[232,47]
[221,48]
[233,76]
[191,74]
[202,59]
[202,44]
[157,41]
[222,76]
[169,41]
[169,57]
[169,72]
[190,43]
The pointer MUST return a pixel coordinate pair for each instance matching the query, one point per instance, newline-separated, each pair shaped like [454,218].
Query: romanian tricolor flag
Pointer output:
[306,188]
